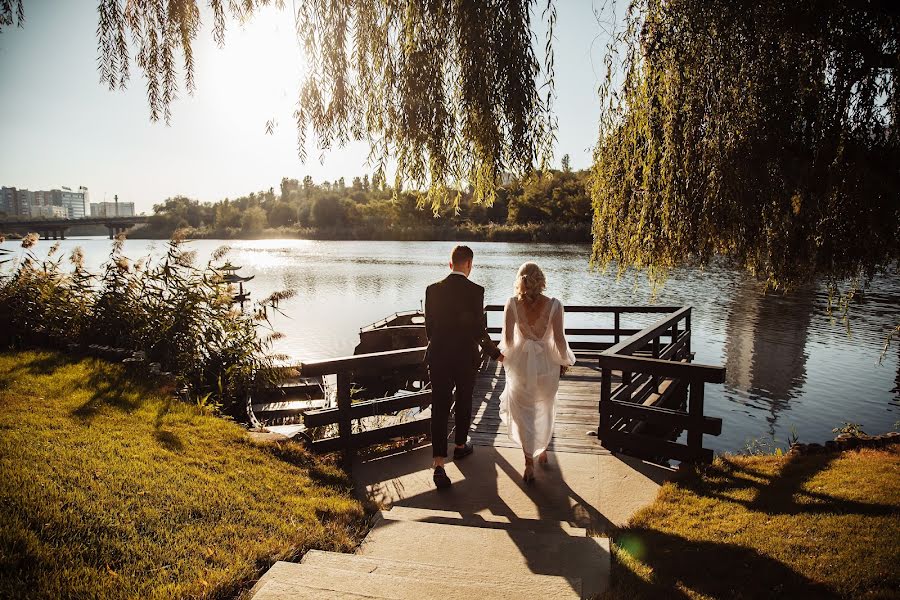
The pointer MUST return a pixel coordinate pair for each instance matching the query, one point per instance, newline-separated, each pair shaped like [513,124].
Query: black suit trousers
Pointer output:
[447,375]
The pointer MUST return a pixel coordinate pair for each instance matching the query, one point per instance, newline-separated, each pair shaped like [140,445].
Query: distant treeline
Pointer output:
[545,206]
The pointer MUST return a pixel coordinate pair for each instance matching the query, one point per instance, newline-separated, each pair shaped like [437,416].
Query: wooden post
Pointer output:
[687,327]
[626,381]
[695,410]
[605,416]
[616,323]
[655,378]
[345,424]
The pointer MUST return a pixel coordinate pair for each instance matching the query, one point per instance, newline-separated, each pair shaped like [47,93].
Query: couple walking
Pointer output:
[533,351]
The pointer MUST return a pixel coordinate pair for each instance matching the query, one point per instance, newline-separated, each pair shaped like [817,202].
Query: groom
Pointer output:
[454,324]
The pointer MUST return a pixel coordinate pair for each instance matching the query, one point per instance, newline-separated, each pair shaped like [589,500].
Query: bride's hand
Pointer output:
[562,370]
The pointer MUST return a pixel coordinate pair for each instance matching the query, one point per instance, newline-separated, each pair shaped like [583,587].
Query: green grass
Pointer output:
[110,490]
[821,526]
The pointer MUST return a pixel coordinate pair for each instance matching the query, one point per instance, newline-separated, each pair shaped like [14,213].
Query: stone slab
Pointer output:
[341,583]
[549,586]
[508,552]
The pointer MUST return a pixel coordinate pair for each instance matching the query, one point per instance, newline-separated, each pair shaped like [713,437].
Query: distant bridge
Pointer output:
[56,228]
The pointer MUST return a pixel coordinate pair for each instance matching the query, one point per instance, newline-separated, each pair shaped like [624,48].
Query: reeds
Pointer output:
[178,315]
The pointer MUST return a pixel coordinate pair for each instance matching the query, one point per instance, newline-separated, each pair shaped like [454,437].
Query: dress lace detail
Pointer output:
[531,366]
[540,324]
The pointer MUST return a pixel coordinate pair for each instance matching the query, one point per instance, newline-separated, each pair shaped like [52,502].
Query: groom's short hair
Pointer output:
[461,255]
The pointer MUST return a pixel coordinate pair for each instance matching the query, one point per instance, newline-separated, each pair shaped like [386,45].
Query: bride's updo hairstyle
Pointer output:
[530,282]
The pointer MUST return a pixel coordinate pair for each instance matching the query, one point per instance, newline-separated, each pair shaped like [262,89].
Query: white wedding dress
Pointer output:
[533,354]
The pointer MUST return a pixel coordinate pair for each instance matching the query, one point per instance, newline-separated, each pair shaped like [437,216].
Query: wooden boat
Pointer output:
[397,332]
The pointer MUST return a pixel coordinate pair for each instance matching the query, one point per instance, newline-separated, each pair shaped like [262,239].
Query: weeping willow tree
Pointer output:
[764,131]
[450,90]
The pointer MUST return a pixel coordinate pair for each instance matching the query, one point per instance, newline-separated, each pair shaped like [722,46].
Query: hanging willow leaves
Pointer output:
[762,131]
[450,90]
[11,13]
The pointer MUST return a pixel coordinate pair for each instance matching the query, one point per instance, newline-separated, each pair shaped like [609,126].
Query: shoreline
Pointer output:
[532,232]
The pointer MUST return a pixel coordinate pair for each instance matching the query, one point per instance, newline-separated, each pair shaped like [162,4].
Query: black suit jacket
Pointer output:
[454,322]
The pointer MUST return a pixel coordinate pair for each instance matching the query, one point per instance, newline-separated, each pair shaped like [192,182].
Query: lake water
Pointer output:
[788,364]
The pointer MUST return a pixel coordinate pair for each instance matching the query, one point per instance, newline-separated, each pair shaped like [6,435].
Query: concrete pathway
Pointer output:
[488,536]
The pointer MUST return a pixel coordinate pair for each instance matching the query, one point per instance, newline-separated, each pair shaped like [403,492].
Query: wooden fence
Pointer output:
[651,374]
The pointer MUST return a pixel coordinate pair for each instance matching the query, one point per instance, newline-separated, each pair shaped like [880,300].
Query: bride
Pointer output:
[536,354]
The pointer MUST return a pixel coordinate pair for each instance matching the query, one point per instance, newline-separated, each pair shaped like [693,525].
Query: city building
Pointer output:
[75,203]
[24,203]
[8,201]
[48,212]
[24,200]
[112,209]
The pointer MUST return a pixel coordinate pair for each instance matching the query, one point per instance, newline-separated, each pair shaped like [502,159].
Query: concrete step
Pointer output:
[533,586]
[509,551]
[305,581]
[481,519]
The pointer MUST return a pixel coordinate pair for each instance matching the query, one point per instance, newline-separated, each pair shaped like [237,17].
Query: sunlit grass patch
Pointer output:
[819,526]
[109,489]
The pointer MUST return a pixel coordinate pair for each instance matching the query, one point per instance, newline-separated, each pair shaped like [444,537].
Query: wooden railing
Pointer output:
[650,369]
[615,334]
[346,412]
[663,373]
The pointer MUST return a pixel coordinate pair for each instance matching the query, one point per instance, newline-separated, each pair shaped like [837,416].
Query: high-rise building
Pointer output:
[24,200]
[73,202]
[8,201]
[24,203]
[112,209]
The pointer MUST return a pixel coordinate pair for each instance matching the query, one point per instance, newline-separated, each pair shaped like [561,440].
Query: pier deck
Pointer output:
[576,409]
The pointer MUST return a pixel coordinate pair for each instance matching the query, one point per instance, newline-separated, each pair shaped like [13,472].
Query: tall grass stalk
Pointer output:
[179,315]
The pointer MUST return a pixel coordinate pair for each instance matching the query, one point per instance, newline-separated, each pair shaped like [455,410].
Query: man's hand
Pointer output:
[500,358]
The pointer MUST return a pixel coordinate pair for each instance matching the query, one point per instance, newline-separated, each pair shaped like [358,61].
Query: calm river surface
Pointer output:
[788,365]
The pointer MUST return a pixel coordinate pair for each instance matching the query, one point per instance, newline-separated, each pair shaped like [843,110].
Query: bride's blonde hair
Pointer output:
[530,282]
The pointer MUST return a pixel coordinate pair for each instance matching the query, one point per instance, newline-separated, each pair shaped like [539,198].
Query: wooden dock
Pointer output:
[576,409]
[629,387]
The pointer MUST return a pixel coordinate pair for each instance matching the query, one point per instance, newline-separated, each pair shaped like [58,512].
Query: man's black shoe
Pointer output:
[440,478]
[463,452]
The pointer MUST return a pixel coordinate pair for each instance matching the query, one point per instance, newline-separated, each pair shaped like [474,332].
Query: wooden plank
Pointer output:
[652,446]
[374,360]
[664,416]
[369,408]
[375,436]
[664,368]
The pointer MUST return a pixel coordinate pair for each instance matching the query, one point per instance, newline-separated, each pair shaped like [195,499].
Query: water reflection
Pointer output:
[766,347]
[788,364]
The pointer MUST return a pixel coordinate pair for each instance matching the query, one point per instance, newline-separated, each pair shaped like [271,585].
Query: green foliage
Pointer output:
[763,131]
[449,90]
[327,211]
[253,220]
[180,316]
[544,206]
[11,12]
[854,429]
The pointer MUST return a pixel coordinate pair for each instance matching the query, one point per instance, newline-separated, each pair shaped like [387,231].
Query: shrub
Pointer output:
[180,316]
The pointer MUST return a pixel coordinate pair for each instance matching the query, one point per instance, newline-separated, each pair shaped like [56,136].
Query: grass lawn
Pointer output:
[110,490]
[821,526]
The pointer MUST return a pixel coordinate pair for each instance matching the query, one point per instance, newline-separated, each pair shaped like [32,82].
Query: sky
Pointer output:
[60,127]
